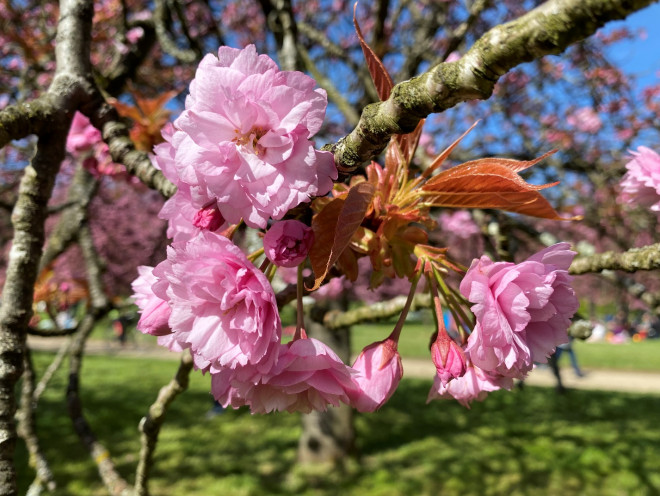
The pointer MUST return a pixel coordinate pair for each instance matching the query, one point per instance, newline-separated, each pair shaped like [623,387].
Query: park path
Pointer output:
[599,379]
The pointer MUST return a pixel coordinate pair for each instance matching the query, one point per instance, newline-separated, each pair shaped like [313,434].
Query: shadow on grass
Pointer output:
[519,443]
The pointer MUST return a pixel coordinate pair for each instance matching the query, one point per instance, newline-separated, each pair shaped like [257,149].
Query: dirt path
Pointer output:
[607,380]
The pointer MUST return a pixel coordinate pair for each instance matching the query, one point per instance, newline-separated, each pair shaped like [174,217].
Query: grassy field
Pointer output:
[525,442]
[414,342]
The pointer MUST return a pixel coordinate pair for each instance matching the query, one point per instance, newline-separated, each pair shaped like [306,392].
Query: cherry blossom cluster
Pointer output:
[522,313]
[241,152]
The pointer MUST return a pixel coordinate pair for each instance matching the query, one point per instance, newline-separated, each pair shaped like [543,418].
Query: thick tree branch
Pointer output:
[122,150]
[633,260]
[548,29]
[68,87]
[151,424]
[23,119]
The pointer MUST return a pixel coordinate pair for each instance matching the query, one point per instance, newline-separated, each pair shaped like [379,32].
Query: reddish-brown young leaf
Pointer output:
[439,160]
[489,183]
[335,225]
[514,165]
[379,74]
[408,142]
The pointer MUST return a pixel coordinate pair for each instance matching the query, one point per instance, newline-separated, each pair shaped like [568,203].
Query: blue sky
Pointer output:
[640,57]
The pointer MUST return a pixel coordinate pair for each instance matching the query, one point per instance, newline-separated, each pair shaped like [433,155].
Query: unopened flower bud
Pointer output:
[209,217]
[448,357]
[287,243]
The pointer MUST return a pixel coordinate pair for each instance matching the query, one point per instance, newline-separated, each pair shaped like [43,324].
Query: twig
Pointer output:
[62,352]
[115,484]
[151,424]
[27,429]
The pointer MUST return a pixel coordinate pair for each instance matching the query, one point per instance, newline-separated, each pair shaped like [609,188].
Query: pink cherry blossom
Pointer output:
[522,310]
[223,308]
[459,223]
[184,219]
[308,376]
[287,243]
[641,184]
[448,357]
[84,142]
[154,311]
[243,139]
[82,135]
[585,119]
[475,384]
[379,370]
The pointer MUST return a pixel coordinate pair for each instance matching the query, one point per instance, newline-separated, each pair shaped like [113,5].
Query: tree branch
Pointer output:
[122,150]
[548,29]
[162,22]
[633,260]
[336,319]
[151,424]
[27,429]
[83,187]
[23,119]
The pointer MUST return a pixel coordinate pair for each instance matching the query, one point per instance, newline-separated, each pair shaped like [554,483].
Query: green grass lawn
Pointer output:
[525,442]
[415,338]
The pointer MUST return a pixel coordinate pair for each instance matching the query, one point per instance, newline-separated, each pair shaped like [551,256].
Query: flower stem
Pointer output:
[300,321]
[404,312]
[252,257]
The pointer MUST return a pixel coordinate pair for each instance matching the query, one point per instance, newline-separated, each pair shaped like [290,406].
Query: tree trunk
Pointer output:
[328,437]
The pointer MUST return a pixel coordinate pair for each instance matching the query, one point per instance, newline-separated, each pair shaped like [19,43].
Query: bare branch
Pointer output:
[151,424]
[27,429]
[324,82]
[83,187]
[52,333]
[115,484]
[633,260]
[336,319]
[50,371]
[458,35]
[122,150]
[548,29]
[23,119]
[162,21]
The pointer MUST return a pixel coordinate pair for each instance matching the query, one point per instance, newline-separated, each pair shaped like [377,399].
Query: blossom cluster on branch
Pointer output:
[241,152]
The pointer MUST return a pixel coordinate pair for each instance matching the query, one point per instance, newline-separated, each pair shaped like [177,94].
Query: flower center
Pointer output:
[250,140]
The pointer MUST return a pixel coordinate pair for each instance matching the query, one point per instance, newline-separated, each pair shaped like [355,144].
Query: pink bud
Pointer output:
[287,243]
[448,357]
[379,372]
[209,217]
